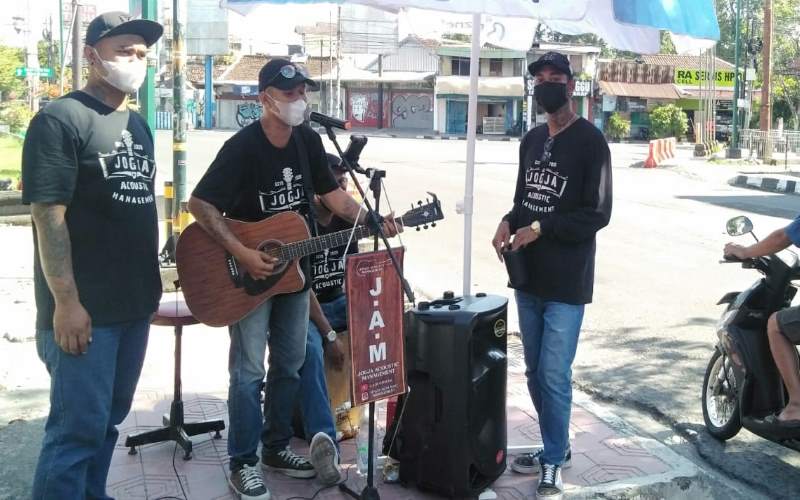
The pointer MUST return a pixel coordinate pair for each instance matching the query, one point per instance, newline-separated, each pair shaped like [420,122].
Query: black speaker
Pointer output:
[452,434]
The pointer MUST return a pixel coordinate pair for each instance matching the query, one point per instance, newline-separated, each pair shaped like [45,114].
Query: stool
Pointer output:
[174,312]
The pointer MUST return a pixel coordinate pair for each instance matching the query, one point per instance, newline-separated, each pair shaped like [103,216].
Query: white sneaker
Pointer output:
[528,463]
[325,459]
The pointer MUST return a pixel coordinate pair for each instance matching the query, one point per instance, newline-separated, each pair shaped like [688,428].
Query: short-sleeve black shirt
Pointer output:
[99,162]
[251,179]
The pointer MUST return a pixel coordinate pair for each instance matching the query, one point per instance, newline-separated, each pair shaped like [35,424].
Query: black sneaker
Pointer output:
[325,459]
[551,487]
[528,463]
[248,483]
[289,463]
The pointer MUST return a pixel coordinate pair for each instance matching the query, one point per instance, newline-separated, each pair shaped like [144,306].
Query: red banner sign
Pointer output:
[375,317]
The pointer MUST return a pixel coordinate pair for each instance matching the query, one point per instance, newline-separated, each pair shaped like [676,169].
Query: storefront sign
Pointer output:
[530,82]
[375,322]
[695,77]
[582,88]
[609,103]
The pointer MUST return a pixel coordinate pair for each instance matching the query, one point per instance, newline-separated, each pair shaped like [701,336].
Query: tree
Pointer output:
[617,127]
[668,121]
[10,59]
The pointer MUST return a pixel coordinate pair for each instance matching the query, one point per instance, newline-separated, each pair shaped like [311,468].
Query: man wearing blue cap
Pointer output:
[273,165]
[87,170]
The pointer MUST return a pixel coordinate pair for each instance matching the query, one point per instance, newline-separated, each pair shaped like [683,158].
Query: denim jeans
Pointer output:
[281,321]
[550,333]
[90,394]
[314,401]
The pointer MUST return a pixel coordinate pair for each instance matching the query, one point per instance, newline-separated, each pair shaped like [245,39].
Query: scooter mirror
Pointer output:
[739,226]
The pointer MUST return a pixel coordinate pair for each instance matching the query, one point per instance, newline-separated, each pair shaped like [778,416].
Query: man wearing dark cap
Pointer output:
[87,169]
[273,165]
[562,199]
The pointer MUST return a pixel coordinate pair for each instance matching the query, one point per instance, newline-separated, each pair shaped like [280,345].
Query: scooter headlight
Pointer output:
[726,320]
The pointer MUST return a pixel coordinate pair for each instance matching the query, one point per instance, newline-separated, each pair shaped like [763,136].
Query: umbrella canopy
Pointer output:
[624,24]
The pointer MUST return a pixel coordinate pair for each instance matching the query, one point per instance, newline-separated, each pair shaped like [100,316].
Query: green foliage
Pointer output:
[10,157]
[668,121]
[16,115]
[618,127]
[10,59]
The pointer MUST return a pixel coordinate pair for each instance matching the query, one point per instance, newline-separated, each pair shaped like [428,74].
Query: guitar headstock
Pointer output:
[424,214]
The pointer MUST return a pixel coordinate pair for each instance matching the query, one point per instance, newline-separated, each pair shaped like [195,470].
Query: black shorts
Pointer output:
[789,323]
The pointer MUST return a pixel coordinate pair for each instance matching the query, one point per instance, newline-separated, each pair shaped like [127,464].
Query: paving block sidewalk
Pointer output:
[608,457]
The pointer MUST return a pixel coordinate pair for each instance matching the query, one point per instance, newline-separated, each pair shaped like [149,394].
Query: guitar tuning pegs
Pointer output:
[433,224]
[425,226]
[418,229]
[419,203]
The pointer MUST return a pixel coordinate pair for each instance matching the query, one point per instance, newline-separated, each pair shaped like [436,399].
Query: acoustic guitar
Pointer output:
[219,292]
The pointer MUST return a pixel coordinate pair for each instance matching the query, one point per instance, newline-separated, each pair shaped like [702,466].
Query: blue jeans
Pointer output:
[550,333]
[281,321]
[90,395]
[314,401]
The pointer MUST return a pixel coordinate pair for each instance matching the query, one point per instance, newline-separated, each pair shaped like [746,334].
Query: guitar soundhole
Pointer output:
[268,245]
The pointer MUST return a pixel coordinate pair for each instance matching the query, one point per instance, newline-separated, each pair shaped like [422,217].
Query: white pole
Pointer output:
[472,119]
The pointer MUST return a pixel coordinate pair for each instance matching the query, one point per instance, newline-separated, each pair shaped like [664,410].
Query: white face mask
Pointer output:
[291,113]
[126,76]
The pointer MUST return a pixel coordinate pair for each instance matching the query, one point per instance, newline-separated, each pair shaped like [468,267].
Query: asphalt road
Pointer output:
[649,333]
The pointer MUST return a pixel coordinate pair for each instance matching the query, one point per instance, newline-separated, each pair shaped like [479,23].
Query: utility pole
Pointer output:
[61,43]
[77,56]
[339,63]
[147,98]
[733,150]
[766,87]
[380,91]
[180,116]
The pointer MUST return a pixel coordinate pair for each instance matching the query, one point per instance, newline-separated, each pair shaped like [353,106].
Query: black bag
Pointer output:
[517,267]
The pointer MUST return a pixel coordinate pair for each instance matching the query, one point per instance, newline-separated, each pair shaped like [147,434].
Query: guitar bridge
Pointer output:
[233,271]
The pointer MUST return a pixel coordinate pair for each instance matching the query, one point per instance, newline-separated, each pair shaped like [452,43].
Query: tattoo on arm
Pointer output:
[208,216]
[55,249]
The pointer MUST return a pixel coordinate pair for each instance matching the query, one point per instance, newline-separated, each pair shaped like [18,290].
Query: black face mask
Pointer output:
[550,95]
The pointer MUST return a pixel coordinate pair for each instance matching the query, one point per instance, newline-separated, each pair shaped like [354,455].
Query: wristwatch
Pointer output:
[331,336]
[536,227]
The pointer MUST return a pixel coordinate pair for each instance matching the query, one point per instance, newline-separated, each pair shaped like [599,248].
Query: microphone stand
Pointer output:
[370,492]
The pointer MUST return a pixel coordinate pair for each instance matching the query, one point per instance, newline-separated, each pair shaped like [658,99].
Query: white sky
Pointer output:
[268,23]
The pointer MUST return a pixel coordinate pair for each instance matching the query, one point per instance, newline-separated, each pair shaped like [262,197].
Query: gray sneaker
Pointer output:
[289,463]
[528,463]
[248,484]
[325,459]
[551,487]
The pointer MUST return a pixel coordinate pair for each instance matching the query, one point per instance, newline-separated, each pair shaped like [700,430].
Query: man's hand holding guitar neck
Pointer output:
[258,264]
[343,205]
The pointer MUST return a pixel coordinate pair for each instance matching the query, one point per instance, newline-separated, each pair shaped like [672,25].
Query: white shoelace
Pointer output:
[251,478]
[549,474]
[292,458]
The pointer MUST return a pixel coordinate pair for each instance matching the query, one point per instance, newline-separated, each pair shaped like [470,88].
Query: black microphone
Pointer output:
[353,152]
[328,121]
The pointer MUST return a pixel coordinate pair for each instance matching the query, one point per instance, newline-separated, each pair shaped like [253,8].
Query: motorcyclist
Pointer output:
[783,327]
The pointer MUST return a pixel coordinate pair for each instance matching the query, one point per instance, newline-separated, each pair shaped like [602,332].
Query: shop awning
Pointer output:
[643,90]
[494,86]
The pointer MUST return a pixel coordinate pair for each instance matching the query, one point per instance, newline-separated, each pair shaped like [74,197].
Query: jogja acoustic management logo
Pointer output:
[131,170]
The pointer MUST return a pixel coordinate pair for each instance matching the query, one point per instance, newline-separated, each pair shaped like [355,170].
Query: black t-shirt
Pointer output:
[251,179]
[571,197]
[327,267]
[99,162]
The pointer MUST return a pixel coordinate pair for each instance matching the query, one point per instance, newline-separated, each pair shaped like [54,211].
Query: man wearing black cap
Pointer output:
[562,199]
[273,165]
[87,170]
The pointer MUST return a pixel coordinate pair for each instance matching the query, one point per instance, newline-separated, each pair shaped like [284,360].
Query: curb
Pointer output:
[11,204]
[773,184]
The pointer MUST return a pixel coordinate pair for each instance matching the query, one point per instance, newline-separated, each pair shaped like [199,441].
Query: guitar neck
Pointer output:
[319,243]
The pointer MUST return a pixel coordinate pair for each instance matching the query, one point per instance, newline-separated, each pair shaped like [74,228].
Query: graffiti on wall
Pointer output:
[363,109]
[247,113]
[412,111]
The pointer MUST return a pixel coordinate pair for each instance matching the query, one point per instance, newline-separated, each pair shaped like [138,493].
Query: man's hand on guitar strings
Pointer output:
[258,264]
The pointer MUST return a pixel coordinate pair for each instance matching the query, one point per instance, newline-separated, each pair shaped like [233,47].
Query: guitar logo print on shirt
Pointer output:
[544,186]
[286,193]
[129,171]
